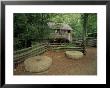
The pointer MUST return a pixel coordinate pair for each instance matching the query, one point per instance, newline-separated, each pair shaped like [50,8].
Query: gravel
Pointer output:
[61,65]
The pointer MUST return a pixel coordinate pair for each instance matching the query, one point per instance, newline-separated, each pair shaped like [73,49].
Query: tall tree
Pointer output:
[84,18]
[29,27]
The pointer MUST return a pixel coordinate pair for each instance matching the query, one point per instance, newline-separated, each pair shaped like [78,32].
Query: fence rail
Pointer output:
[90,41]
[69,48]
[21,55]
[65,46]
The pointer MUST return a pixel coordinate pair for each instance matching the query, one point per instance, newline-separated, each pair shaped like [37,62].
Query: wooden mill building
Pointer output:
[60,30]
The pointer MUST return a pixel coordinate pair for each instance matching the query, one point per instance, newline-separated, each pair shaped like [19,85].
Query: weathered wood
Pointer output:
[23,54]
[85,19]
[56,44]
[92,42]
[69,48]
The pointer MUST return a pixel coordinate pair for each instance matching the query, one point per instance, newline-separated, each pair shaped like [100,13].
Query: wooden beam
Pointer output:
[85,18]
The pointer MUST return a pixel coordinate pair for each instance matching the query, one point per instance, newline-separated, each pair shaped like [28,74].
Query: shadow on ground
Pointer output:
[64,66]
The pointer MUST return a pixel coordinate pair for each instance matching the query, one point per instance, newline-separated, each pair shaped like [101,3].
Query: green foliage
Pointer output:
[92,23]
[74,20]
[32,27]
[29,27]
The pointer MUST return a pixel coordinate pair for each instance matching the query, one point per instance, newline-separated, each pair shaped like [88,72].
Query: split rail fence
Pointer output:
[21,55]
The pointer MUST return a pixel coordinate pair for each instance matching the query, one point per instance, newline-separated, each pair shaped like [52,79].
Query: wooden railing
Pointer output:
[91,41]
[64,46]
[23,54]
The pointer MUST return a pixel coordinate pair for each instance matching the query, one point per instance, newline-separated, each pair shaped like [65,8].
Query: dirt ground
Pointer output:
[61,65]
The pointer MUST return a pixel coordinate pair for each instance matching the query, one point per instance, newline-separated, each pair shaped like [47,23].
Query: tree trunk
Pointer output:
[84,18]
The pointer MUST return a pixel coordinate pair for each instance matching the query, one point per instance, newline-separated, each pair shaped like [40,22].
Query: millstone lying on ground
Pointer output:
[74,54]
[37,63]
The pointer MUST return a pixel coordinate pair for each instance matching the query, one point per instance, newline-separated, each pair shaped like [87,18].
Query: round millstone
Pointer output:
[74,54]
[37,63]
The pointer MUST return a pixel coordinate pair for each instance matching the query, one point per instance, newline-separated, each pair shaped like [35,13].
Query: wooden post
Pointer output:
[85,18]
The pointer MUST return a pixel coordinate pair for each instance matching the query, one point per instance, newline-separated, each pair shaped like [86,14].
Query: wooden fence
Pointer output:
[64,47]
[21,55]
[91,41]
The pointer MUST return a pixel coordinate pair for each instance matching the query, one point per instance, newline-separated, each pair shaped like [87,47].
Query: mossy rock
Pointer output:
[37,63]
[74,54]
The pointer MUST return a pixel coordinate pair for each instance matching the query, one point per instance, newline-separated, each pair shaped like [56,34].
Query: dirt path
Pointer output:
[64,66]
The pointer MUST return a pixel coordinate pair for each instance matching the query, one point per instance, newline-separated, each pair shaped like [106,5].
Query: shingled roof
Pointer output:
[62,26]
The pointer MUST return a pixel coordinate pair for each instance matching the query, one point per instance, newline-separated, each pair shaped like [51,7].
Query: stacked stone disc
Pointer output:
[74,54]
[37,63]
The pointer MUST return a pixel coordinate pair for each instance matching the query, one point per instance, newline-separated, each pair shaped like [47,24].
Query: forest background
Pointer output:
[32,27]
